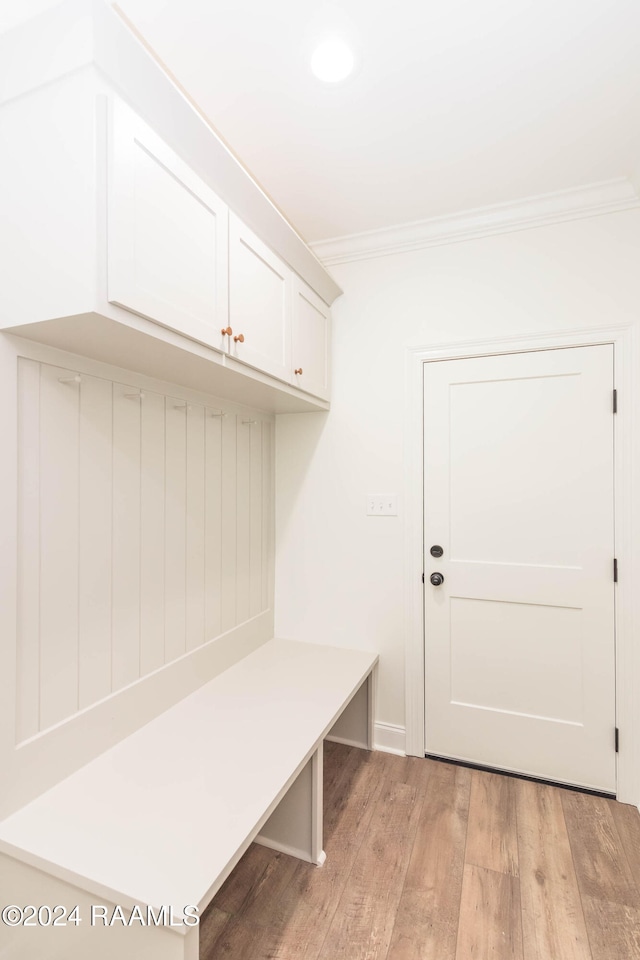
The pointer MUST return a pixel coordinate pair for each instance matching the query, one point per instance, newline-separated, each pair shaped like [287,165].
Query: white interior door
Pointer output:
[520,658]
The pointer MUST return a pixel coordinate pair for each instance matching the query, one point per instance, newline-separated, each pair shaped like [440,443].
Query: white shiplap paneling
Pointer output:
[125,635]
[59,526]
[144,532]
[255,515]
[175,530]
[213,522]
[195,529]
[152,498]
[95,529]
[229,511]
[243,513]
[28,599]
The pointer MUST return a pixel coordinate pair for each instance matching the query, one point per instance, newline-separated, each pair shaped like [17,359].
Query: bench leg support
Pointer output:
[295,826]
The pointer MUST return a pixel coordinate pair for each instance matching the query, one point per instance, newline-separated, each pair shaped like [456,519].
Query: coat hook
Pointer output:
[249,422]
[134,396]
[182,406]
[76,379]
[218,413]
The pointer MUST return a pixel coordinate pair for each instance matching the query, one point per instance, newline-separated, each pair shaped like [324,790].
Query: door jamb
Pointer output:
[627,660]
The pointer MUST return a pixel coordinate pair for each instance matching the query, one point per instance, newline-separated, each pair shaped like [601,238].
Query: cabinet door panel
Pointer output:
[167,234]
[311,341]
[259,303]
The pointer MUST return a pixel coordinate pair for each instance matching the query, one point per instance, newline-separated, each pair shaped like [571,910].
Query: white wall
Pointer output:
[339,574]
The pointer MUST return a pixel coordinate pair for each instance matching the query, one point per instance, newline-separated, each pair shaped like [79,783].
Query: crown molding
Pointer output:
[609,196]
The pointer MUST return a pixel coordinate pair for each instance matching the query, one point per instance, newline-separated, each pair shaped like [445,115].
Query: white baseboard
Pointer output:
[389,738]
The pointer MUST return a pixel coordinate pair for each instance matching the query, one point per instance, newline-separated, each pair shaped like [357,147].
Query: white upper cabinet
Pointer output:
[167,234]
[116,195]
[260,302]
[311,341]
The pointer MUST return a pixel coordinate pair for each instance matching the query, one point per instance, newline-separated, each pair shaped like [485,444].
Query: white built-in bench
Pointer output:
[162,818]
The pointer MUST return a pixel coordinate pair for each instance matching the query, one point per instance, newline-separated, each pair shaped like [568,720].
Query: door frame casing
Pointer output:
[627,660]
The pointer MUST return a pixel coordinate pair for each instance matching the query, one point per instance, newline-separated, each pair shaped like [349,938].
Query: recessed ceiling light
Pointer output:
[332,61]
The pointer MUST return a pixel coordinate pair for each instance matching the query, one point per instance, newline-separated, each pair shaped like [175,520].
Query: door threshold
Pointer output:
[522,776]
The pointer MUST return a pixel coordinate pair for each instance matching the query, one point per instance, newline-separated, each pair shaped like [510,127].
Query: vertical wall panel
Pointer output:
[125,637]
[28,599]
[175,529]
[152,461]
[228,543]
[243,514]
[255,557]
[59,414]
[144,530]
[267,511]
[94,575]
[213,523]
[195,526]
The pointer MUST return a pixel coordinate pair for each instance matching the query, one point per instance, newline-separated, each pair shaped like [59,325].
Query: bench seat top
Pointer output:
[159,817]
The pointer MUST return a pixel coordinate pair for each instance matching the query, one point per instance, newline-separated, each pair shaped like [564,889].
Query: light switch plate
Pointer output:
[382,505]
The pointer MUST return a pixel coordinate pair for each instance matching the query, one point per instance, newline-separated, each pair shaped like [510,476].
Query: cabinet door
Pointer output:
[311,353]
[167,234]
[259,303]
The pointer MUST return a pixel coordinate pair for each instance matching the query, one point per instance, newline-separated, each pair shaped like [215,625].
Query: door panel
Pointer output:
[260,300]
[167,235]
[311,341]
[519,492]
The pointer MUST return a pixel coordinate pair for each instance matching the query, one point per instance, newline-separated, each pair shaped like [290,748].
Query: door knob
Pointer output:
[436,579]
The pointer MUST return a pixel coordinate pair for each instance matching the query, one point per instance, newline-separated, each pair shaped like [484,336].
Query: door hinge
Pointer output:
[615,570]
[423,577]
[617,740]
[615,401]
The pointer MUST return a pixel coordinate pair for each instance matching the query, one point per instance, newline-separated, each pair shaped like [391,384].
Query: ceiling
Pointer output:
[454,104]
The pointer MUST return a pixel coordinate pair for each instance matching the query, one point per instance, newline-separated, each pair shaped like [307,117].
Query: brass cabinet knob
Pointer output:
[239,338]
[299,370]
[226,331]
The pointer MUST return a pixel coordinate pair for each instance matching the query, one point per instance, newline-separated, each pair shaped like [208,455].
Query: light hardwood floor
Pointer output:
[430,861]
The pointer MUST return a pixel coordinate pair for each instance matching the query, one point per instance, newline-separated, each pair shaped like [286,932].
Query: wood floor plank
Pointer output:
[352,776]
[213,923]
[601,866]
[490,924]
[552,916]
[614,930]
[241,941]
[238,886]
[334,758]
[413,771]
[295,922]
[627,820]
[491,839]
[401,881]
[363,927]
[427,917]
[308,905]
